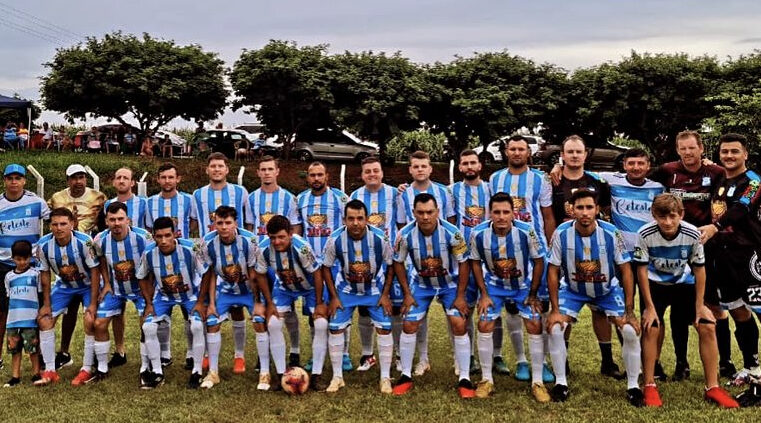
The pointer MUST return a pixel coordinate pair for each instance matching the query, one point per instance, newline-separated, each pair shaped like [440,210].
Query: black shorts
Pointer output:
[4,270]
[711,294]
[739,279]
[680,297]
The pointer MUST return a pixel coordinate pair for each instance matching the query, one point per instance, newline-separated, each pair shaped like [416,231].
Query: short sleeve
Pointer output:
[97,245]
[42,258]
[535,249]
[44,210]
[400,249]
[556,251]
[308,260]
[449,207]
[698,257]
[388,254]
[474,253]
[545,192]
[248,212]
[192,209]
[261,265]
[620,254]
[641,252]
[293,211]
[458,247]
[144,267]
[401,209]
[253,251]
[90,259]
[329,252]
[204,255]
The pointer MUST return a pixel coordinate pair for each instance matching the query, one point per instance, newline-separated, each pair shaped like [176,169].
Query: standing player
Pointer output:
[172,203]
[591,252]
[124,182]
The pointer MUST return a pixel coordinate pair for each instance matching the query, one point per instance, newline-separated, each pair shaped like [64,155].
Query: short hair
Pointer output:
[515,138]
[131,172]
[217,156]
[582,193]
[636,152]
[420,155]
[21,248]
[687,134]
[370,160]
[168,166]
[469,152]
[163,223]
[225,212]
[355,205]
[317,163]
[734,137]
[572,138]
[501,197]
[665,203]
[269,158]
[115,206]
[424,198]
[61,211]
[278,223]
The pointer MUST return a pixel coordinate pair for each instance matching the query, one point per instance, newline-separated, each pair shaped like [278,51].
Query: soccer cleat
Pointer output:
[239,365]
[744,376]
[317,384]
[188,363]
[308,366]
[157,379]
[611,370]
[275,385]
[720,397]
[366,362]
[727,369]
[659,374]
[681,371]
[15,381]
[145,379]
[466,389]
[500,367]
[539,391]
[335,384]
[346,363]
[385,386]
[522,372]
[421,367]
[210,380]
[63,359]
[749,397]
[36,378]
[195,381]
[264,382]
[484,389]
[82,378]
[475,368]
[547,375]
[402,385]
[48,377]
[205,363]
[559,393]
[117,360]
[98,376]
[652,398]
[166,362]
[294,360]
[635,397]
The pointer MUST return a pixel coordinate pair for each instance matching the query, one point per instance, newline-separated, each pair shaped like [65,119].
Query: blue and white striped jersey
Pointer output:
[321,214]
[588,262]
[136,210]
[531,190]
[71,262]
[669,261]
[441,193]
[20,220]
[363,262]
[261,206]
[293,268]
[207,200]
[630,204]
[381,208]
[435,257]
[507,259]
[23,298]
[174,274]
[471,205]
[181,208]
[230,261]
[123,259]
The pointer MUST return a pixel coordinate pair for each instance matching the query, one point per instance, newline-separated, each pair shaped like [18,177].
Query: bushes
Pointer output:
[401,146]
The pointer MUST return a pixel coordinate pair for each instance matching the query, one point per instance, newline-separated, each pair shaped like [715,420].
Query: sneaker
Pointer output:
[117,360]
[308,366]
[82,378]
[145,379]
[210,380]
[720,397]
[48,377]
[749,397]
[522,372]
[99,376]
[188,363]
[275,385]
[264,382]
[15,381]
[346,363]
[500,367]
[681,371]
[559,393]
[466,389]
[335,384]
[205,363]
[166,362]
[195,381]
[239,365]
[727,369]
[744,376]
[539,391]
[659,374]
[63,359]
[475,368]
[402,385]
[385,386]
[484,389]
[547,374]
[157,379]
[294,360]
[635,397]
[611,370]
[421,367]
[317,384]
[366,362]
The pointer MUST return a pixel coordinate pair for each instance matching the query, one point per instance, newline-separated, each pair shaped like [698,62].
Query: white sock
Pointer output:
[263,349]
[319,345]
[164,333]
[214,343]
[336,348]
[198,341]
[101,352]
[366,331]
[189,339]
[632,358]
[497,335]
[536,351]
[277,343]
[347,340]
[292,324]
[462,352]
[145,363]
[422,340]
[152,345]
[47,348]
[396,330]
[385,354]
[239,334]
[88,355]
[558,353]
[485,354]
[407,343]
[515,329]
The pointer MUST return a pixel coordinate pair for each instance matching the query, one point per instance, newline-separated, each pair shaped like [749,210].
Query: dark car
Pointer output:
[224,141]
[601,155]
[331,144]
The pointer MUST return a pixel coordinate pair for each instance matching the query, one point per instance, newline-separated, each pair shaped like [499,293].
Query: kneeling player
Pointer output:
[588,251]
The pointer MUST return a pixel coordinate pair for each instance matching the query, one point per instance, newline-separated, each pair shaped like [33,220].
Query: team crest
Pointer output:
[506,268]
[755,266]
[124,271]
[265,218]
[432,267]
[288,277]
[589,271]
[377,219]
[718,208]
[69,273]
[318,225]
[232,273]
[474,215]
[173,284]
[359,272]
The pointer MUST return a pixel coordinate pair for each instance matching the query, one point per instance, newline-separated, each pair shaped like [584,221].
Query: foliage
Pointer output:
[402,145]
[740,113]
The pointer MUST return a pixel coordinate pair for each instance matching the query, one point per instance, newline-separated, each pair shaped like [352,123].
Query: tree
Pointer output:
[153,80]
[287,86]
[739,113]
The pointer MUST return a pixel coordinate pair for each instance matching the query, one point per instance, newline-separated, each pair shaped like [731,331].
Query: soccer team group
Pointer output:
[538,245]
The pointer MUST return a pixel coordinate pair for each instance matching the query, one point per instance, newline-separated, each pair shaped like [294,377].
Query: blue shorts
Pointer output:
[113,306]
[61,296]
[613,303]
[162,310]
[395,293]
[423,296]
[502,297]
[225,302]
[284,300]
[342,319]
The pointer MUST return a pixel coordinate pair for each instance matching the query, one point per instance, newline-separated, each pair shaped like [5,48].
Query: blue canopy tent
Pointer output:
[17,103]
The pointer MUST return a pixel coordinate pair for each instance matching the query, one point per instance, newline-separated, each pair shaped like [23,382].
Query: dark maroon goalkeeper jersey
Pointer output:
[693,188]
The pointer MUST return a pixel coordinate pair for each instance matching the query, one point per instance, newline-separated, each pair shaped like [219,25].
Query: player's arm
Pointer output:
[263,287]
[648,314]
[148,288]
[553,286]
[194,226]
[385,298]
[45,282]
[627,280]
[335,302]
[203,291]
[549,221]
[106,276]
[401,275]
[484,300]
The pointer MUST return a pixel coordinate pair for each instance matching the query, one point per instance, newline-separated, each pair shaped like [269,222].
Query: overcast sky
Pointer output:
[570,34]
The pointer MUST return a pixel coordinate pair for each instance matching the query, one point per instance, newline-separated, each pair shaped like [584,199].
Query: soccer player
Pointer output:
[68,254]
[514,261]
[230,254]
[664,250]
[531,192]
[124,182]
[439,255]
[591,253]
[167,273]
[298,276]
[21,217]
[364,257]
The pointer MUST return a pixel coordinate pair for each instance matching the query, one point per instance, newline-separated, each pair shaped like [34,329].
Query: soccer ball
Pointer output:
[295,381]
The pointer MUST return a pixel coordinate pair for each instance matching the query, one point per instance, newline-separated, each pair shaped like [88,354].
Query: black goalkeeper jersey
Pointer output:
[735,211]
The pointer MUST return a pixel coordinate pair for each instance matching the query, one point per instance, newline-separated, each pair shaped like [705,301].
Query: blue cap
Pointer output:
[14,168]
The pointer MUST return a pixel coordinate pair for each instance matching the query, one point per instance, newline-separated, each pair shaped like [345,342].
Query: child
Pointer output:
[22,285]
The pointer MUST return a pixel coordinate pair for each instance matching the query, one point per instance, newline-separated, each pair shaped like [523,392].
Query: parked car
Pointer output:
[493,154]
[224,140]
[601,155]
[331,144]
[178,143]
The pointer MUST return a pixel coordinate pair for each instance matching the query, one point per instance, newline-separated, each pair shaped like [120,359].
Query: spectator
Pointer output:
[23,137]
[146,150]
[112,144]
[85,202]
[10,139]
[47,135]
[166,146]
[129,142]
[67,144]
[93,144]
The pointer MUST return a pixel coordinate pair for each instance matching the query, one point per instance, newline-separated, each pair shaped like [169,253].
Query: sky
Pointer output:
[570,34]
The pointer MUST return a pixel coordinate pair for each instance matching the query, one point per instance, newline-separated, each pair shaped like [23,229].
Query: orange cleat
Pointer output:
[82,378]
[652,397]
[721,397]
[402,386]
[239,365]
[49,377]
[466,389]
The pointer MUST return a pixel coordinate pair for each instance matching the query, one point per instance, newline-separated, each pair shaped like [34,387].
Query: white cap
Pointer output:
[75,168]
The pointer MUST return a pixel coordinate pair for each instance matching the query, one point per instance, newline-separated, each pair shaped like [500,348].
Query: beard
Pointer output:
[471,176]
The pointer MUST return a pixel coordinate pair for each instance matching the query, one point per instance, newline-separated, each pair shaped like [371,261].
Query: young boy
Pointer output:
[670,269]
[22,285]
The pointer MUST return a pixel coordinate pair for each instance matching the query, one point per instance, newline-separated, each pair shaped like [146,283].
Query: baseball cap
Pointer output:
[74,169]
[14,168]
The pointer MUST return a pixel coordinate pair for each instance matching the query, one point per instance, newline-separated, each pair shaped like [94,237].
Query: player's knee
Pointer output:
[741,314]
[101,326]
[486,326]
[45,322]
[706,329]
[337,332]
[196,326]
[629,333]
[410,327]
[260,327]
[557,330]
[275,324]
[320,324]
[458,326]
[150,329]
[212,329]
[381,331]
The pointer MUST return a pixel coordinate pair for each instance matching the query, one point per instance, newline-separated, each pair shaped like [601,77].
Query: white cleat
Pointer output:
[335,384]
[264,382]
[386,387]
[210,380]
[421,367]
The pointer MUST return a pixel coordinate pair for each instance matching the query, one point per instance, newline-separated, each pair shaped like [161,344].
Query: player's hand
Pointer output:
[534,303]
[271,310]
[402,188]
[461,305]
[483,304]
[200,309]
[92,309]
[260,309]
[631,319]
[44,312]
[103,292]
[385,302]
[335,305]
[555,318]
[211,310]
[407,304]
[649,317]
[148,311]
[320,310]
[703,313]
[556,174]
[707,232]
[707,162]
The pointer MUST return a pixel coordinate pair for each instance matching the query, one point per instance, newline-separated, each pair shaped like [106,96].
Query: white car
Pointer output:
[493,153]
[177,141]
